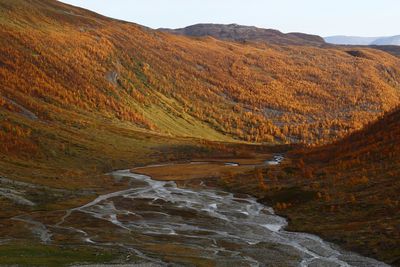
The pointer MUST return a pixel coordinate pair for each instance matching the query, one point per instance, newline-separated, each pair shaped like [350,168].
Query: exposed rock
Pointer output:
[112,77]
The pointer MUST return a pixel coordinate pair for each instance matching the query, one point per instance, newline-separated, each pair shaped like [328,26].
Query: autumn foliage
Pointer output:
[58,59]
[357,183]
[16,139]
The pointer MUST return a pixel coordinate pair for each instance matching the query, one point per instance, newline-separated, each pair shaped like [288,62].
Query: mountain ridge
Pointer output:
[241,33]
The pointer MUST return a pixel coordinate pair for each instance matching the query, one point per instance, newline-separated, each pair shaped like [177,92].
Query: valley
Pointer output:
[198,146]
[163,222]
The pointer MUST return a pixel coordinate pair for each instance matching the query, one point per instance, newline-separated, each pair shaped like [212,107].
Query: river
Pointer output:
[161,223]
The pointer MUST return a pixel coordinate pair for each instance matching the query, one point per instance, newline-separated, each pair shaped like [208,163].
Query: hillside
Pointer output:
[349,189]
[240,33]
[56,58]
[392,49]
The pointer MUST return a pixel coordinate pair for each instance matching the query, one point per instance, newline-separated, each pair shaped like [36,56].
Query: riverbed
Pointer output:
[161,223]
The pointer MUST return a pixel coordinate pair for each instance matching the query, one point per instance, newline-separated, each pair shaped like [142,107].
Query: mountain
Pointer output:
[354,40]
[349,40]
[88,65]
[235,32]
[394,40]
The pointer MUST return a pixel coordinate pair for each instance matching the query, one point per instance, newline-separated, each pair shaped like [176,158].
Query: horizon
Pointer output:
[339,18]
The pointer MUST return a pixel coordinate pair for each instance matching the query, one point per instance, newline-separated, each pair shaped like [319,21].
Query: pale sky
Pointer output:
[322,17]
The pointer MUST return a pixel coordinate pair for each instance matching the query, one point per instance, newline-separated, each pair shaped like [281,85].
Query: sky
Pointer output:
[323,17]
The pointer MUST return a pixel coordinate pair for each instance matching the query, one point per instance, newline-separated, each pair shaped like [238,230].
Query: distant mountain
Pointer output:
[354,40]
[350,40]
[242,33]
[394,40]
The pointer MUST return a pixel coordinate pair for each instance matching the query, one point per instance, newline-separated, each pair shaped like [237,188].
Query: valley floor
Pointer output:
[49,236]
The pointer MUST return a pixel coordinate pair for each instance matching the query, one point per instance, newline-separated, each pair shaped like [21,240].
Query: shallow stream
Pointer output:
[160,222]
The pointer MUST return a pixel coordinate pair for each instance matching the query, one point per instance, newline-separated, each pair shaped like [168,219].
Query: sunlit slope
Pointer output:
[55,57]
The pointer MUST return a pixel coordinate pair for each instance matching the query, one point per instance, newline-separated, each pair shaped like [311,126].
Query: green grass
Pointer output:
[41,255]
[170,118]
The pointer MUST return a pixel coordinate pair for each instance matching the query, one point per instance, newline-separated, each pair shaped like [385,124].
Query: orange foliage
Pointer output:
[261,180]
[79,62]
[15,139]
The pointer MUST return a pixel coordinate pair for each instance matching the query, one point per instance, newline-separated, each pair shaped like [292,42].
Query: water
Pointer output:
[160,222]
[276,160]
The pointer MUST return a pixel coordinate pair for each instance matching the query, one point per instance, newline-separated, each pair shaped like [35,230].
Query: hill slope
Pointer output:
[56,57]
[355,183]
[392,49]
[235,32]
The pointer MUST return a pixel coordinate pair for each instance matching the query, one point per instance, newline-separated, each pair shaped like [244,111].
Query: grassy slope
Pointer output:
[40,255]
